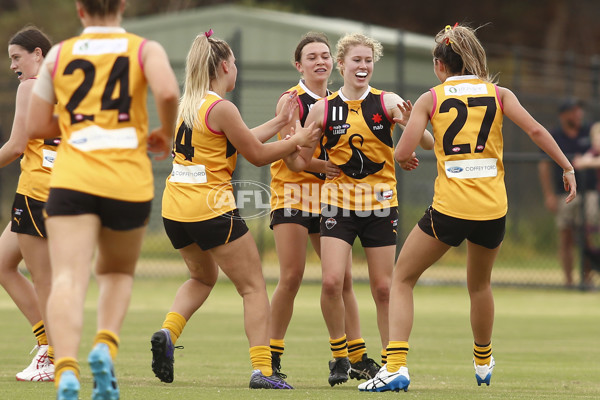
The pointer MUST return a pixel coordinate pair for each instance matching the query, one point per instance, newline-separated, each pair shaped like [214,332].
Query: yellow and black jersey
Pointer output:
[36,168]
[298,190]
[357,136]
[467,126]
[199,187]
[101,101]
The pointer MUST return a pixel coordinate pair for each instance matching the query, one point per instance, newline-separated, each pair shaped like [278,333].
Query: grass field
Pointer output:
[545,345]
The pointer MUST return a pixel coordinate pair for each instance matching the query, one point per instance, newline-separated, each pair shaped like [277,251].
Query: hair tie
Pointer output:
[209,33]
[449,28]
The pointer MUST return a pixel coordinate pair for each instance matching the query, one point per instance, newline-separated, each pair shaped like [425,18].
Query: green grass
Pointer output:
[545,344]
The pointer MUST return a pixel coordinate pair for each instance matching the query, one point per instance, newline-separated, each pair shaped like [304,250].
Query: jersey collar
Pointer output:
[104,29]
[461,77]
[364,95]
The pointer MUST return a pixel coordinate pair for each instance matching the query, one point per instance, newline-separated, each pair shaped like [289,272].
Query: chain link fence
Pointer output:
[529,255]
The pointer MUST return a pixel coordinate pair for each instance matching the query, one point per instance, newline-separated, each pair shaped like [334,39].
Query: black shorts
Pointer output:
[207,234]
[294,216]
[377,229]
[28,216]
[114,214]
[453,231]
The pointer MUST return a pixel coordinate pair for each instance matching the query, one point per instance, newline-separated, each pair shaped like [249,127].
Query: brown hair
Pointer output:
[101,8]
[310,37]
[31,38]
[462,53]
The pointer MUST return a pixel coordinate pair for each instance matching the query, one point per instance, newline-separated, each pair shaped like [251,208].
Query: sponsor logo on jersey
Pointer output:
[466,89]
[472,169]
[339,129]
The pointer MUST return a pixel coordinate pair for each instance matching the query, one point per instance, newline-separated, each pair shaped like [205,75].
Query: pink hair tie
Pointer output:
[209,33]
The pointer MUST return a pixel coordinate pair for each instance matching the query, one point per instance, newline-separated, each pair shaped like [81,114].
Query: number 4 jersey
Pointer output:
[101,100]
[467,126]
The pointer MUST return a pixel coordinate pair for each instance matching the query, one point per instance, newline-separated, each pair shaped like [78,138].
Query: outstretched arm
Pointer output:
[301,160]
[162,82]
[541,137]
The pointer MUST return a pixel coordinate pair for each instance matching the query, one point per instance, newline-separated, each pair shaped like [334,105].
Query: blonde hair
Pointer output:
[201,67]
[356,39]
[462,53]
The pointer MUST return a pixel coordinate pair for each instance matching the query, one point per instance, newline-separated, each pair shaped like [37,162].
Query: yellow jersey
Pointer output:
[199,187]
[298,190]
[357,136]
[101,95]
[36,168]
[467,127]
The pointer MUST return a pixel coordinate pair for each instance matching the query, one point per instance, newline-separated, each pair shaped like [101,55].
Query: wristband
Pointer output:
[569,172]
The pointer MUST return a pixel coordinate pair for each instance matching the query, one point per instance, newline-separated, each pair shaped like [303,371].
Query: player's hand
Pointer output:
[159,142]
[405,108]
[412,163]
[331,170]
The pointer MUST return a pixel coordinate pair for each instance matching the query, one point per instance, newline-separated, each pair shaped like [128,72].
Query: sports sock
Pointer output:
[356,349]
[383,356]
[396,355]
[277,346]
[339,347]
[110,339]
[260,357]
[51,354]
[482,354]
[65,364]
[39,330]
[175,323]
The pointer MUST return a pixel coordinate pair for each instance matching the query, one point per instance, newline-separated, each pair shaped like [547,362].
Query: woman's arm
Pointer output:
[414,133]
[286,115]
[165,90]
[17,142]
[225,117]
[400,110]
[540,136]
[41,121]
[301,160]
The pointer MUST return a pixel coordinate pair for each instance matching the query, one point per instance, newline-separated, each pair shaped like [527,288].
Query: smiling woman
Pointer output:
[356,123]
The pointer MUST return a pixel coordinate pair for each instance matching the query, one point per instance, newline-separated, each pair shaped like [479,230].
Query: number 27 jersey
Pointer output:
[467,126]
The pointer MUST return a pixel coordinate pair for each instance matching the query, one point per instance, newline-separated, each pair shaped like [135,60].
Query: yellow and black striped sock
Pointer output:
[383,356]
[396,355]
[339,347]
[175,323]
[110,339]
[260,357]
[277,346]
[39,330]
[356,349]
[65,364]
[482,354]
[51,353]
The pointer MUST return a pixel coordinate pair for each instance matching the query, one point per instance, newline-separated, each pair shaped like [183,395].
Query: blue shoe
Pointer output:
[275,381]
[163,352]
[68,387]
[385,381]
[483,373]
[105,382]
